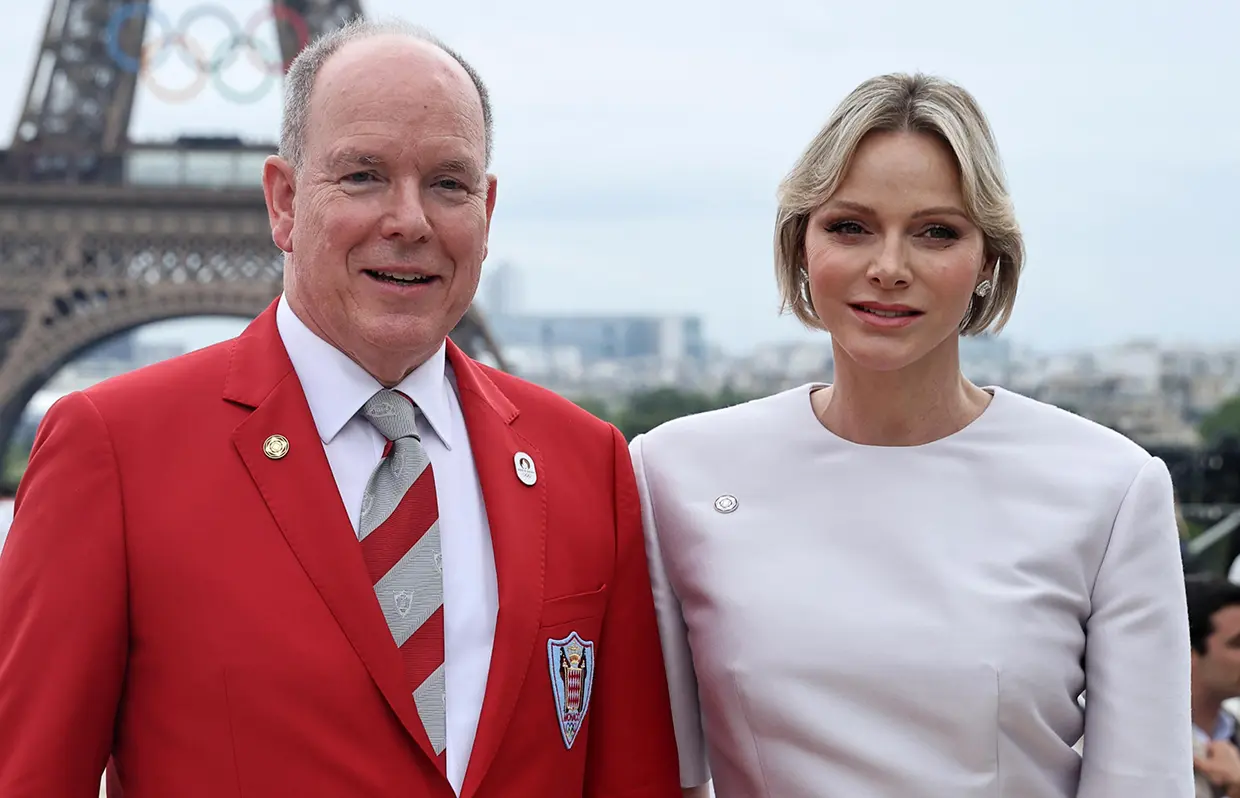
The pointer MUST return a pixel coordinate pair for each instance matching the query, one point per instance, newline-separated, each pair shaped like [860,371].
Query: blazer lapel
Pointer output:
[297,484]
[517,516]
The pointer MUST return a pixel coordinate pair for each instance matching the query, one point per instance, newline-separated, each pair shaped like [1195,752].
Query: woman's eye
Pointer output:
[942,232]
[845,228]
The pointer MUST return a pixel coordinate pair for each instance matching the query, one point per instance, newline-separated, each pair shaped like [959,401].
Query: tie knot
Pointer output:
[393,414]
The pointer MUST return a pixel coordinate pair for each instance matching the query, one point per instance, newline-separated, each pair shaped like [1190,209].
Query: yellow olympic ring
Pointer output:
[190,91]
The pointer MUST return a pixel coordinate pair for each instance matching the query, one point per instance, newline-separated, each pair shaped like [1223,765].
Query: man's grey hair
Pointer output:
[304,71]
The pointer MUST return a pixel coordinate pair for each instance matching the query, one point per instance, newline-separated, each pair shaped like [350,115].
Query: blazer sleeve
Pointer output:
[1138,724]
[63,617]
[674,637]
[632,747]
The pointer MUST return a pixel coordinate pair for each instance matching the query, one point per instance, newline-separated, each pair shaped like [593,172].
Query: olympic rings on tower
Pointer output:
[178,39]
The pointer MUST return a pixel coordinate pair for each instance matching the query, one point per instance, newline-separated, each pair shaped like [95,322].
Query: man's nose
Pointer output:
[406,217]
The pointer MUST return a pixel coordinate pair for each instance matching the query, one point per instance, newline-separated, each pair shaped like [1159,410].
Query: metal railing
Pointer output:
[1214,550]
[186,162]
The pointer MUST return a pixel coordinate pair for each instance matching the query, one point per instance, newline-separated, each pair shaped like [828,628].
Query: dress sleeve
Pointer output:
[1138,726]
[674,638]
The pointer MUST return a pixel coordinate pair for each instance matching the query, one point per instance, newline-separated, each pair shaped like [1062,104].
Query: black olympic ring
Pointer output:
[192,53]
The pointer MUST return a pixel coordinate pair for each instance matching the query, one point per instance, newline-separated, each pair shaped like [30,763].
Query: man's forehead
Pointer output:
[365,60]
[1227,621]
[378,74]
[389,86]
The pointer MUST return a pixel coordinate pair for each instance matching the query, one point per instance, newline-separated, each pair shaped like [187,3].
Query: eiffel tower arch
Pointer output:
[100,235]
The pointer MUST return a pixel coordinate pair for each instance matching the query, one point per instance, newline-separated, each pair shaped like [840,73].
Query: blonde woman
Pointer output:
[900,583]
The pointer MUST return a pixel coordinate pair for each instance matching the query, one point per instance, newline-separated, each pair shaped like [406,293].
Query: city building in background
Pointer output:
[547,344]
[608,353]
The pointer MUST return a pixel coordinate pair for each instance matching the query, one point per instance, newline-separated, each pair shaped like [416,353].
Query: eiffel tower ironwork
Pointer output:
[90,246]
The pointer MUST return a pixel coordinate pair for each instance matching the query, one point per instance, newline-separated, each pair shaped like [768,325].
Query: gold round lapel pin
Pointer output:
[275,447]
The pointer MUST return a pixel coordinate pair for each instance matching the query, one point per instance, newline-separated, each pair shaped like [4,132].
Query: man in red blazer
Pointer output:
[191,588]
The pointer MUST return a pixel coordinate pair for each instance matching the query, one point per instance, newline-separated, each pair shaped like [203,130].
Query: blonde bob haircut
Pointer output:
[897,103]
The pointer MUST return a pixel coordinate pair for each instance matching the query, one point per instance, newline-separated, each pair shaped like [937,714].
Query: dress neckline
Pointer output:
[978,425]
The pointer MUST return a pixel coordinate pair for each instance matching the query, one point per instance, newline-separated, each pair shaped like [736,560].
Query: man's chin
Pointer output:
[396,335]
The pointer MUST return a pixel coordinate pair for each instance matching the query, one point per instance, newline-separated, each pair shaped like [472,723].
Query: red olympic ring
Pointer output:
[277,13]
[175,95]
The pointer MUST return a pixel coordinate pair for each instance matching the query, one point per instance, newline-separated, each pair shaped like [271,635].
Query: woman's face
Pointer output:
[892,258]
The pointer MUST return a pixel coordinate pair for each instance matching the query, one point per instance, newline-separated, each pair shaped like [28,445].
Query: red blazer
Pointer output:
[175,599]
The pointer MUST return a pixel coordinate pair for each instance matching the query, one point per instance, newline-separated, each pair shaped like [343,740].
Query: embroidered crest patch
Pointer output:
[572,677]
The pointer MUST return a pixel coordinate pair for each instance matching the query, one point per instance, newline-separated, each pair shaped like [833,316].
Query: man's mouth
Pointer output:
[399,279]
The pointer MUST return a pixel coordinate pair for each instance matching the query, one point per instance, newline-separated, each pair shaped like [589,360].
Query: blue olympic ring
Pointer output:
[224,56]
[113,37]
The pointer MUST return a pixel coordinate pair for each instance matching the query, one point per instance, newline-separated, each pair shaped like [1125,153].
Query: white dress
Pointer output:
[918,622]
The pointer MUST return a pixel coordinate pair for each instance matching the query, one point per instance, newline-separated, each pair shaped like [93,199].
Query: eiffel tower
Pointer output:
[100,235]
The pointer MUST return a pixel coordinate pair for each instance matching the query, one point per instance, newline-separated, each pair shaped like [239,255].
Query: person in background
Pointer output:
[900,583]
[336,556]
[1214,632]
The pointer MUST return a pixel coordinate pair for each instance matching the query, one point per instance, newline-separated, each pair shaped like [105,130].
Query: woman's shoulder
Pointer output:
[1040,432]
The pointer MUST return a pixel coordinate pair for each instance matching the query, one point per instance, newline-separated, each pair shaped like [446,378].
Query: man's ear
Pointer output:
[279,187]
[492,185]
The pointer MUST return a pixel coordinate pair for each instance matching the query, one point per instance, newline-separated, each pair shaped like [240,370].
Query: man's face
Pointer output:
[1218,670]
[388,218]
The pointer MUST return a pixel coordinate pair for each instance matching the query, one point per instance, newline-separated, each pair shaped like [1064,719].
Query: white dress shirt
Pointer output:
[849,620]
[336,388]
[6,519]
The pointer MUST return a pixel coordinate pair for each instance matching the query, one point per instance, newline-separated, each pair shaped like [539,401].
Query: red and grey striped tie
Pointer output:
[399,532]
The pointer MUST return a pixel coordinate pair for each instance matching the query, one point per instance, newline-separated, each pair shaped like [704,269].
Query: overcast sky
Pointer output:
[639,144]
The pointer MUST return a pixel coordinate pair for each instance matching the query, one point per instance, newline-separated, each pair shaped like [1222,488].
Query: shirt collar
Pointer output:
[336,387]
[1224,728]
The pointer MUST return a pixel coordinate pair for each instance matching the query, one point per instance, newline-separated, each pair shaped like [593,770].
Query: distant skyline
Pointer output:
[639,146]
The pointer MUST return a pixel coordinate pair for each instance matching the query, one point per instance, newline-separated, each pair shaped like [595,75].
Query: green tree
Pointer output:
[12,467]
[595,407]
[1223,424]
[648,409]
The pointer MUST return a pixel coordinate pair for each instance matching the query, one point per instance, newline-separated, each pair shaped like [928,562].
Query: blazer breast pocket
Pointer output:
[575,607]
